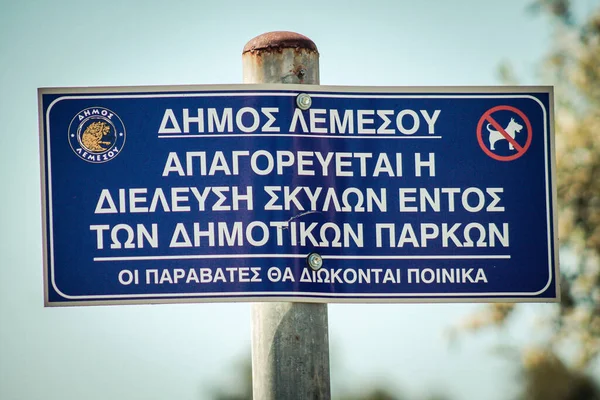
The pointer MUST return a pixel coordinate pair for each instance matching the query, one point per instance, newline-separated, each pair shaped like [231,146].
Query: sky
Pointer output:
[186,351]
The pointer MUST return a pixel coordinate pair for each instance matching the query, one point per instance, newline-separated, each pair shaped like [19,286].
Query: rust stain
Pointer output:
[279,40]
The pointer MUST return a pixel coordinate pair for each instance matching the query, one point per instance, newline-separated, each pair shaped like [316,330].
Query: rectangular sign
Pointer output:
[298,193]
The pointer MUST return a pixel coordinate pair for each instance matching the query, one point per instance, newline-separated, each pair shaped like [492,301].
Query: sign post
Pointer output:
[290,341]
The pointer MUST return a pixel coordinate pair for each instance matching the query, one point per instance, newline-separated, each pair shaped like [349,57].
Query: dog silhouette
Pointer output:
[512,129]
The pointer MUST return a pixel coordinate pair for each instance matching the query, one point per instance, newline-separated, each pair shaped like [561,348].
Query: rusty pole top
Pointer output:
[279,40]
[281,57]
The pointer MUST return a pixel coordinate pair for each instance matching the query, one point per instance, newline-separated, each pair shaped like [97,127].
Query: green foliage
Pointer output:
[572,66]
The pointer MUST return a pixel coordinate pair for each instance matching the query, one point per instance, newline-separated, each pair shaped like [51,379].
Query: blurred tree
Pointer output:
[374,394]
[546,377]
[573,67]
[242,374]
[242,390]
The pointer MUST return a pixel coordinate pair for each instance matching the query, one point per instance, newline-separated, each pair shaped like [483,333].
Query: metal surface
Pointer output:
[303,101]
[86,264]
[281,57]
[290,341]
[315,261]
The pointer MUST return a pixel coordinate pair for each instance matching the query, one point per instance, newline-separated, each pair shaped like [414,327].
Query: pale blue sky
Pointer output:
[183,351]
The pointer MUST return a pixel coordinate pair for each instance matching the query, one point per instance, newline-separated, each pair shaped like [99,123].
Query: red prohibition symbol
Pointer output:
[497,132]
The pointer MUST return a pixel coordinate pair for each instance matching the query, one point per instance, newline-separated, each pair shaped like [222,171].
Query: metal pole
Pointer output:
[290,341]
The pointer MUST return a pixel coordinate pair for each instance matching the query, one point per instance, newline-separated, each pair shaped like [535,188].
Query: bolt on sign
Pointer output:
[298,193]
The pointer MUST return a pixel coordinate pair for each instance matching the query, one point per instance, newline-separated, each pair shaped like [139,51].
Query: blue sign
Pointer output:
[244,193]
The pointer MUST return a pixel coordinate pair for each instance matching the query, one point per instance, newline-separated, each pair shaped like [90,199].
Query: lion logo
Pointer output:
[96,134]
[92,137]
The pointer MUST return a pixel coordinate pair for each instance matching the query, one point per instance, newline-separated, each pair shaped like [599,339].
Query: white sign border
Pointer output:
[292,91]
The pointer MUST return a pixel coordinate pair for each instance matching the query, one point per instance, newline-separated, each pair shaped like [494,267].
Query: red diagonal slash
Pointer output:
[500,129]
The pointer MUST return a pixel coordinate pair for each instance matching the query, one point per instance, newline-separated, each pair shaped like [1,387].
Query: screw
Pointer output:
[303,101]
[314,261]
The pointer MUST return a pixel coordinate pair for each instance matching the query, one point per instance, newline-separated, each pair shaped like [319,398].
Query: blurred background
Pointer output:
[202,351]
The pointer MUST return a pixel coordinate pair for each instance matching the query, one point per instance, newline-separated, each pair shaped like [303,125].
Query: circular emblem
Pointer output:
[96,134]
